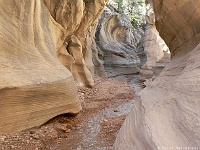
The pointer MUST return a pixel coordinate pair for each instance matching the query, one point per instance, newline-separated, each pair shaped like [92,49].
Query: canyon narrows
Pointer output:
[91,58]
[167,112]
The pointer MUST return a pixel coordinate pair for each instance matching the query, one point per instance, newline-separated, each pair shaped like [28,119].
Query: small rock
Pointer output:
[53,133]
[35,136]
[60,126]
[67,131]
[69,126]
[105,120]
[28,141]
[2,138]
[115,110]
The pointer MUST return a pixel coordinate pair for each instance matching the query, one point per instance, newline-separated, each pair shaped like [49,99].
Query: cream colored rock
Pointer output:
[154,47]
[35,34]
[78,68]
[93,10]
[158,55]
[170,116]
[76,17]
[34,85]
[157,52]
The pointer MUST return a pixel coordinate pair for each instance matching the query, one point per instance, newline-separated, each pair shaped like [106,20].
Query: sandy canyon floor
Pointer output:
[105,107]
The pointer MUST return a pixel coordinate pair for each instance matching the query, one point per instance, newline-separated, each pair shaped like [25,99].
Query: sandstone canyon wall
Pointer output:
[76,18]
[157,52]
[34,35]
[167,113]
[117,43]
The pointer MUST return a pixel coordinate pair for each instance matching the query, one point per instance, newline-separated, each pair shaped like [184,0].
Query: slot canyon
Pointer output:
[99,75]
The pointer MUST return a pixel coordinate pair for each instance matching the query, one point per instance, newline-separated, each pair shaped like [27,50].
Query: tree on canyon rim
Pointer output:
[135,9]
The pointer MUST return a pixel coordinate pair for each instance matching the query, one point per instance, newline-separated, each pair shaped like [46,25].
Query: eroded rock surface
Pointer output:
[157,52]
[76,17]
[117,44]
[154,47]
[34,85]
[170,106]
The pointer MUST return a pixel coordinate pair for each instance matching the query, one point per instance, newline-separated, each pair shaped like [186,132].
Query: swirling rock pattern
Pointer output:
[34,35]
[117,44]
[76,17]
[171,104]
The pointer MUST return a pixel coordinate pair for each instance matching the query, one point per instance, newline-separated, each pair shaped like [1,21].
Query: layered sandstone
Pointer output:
[35,34]
[117,44]
[76,17]
[169,108]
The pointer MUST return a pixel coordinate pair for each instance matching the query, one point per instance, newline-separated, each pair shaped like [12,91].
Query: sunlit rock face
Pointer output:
[158,55]
[154,47]
[117,44]
[42,51]
[157,52]
[170,105]
[35,86]
[75,18]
